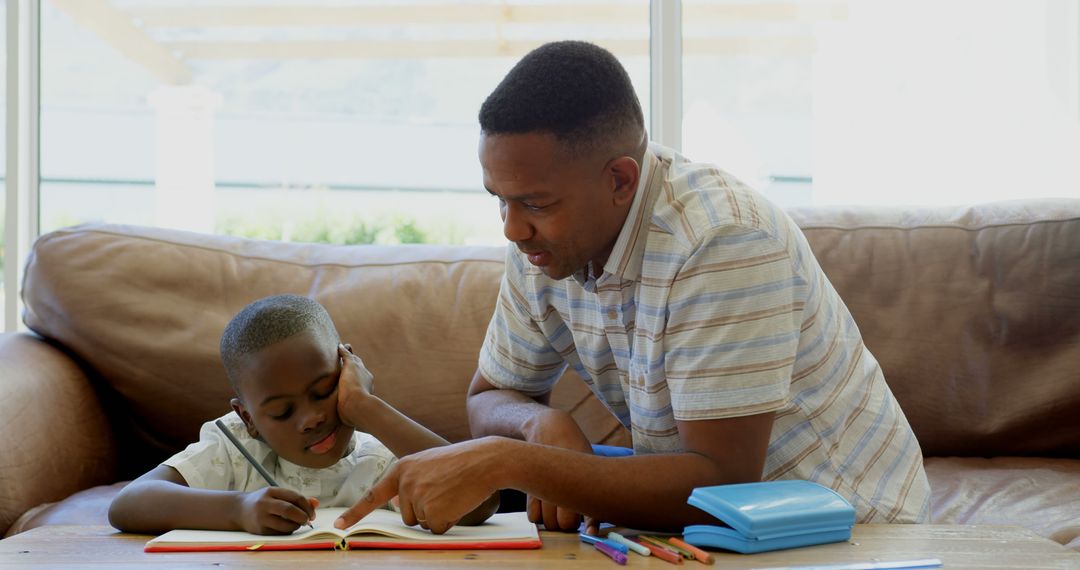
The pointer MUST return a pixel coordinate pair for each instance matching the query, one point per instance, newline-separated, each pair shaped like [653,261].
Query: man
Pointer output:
[692,307]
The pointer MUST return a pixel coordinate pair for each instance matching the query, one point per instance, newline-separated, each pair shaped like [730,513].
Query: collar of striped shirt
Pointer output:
[624,261]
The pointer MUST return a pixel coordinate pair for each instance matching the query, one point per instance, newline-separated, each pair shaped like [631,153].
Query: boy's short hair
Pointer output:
[268,321]
[577,91]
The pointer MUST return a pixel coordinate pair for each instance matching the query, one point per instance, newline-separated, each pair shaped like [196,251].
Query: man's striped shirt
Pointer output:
[711,305]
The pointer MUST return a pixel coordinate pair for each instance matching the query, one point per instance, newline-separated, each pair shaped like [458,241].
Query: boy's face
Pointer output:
[288,398]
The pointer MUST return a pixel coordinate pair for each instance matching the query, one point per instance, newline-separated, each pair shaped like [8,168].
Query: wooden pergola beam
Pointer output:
[117,29]
[791,46]
[370,49]
[313,15]
[127,30]
[307,15]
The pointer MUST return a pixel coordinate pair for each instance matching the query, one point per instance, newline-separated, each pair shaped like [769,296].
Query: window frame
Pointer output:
[23,149]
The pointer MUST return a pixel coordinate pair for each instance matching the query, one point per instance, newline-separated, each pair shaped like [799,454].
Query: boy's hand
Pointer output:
[275,510]
[354,386]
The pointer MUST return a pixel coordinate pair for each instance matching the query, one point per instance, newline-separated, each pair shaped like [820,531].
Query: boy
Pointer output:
[305,411]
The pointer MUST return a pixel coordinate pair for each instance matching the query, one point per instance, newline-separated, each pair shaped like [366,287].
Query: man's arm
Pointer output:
[650,491]
[509,413]
[643,491]
[161,500]
[494,411]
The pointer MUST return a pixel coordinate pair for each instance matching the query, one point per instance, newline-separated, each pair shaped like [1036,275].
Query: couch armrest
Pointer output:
[56,437]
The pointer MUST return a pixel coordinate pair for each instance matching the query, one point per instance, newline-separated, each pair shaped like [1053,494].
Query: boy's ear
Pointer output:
[241,411]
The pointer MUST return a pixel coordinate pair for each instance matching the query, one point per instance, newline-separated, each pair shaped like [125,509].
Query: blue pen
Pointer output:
[621,548]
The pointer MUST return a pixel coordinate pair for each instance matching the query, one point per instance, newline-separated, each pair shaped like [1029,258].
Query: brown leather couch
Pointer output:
[974,314]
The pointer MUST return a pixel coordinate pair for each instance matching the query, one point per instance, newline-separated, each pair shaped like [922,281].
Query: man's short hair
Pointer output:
[577,91]
[268,321]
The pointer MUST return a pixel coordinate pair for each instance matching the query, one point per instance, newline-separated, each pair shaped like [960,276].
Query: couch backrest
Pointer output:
[973,314]
[145,307]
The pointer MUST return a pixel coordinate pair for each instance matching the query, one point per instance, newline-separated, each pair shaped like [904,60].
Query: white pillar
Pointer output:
[21,201]
[184,180]
[665,79]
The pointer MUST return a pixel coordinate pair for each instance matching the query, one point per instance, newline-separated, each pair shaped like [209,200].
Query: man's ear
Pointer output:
[624,173]
[241,411]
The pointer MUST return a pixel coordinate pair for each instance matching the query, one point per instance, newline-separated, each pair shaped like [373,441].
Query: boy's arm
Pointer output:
[398,432]
[524,418]
[403,436]
[358,407]
[161,500]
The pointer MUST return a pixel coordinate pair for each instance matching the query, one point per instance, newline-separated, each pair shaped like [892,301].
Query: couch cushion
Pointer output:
[56,438]
[973,313]
[1040,494]
[145,307]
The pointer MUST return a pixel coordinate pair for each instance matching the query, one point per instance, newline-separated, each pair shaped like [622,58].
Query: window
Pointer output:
[347,122]
[354,121]
[886,102]
[748,90]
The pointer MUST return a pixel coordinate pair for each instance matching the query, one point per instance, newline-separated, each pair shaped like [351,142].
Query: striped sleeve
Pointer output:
[733,327]
[516,355]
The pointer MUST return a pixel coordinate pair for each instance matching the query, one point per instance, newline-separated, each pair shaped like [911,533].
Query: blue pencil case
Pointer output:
[770,515]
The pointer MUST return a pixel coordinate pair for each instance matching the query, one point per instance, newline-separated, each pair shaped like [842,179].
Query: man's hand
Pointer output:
[354,386]
[558,429]
[274,510]
[436,487]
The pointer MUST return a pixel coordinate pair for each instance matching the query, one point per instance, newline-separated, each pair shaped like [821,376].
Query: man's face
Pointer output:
[561,213]
[289,399]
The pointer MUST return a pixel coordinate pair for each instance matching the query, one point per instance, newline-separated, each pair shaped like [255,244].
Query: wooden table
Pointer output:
[957,546]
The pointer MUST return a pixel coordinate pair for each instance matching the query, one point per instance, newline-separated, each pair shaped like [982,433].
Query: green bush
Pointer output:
[334,231]
[246,228]
[407,232]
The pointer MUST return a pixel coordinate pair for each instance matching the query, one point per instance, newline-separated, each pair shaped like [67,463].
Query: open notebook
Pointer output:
[380,529]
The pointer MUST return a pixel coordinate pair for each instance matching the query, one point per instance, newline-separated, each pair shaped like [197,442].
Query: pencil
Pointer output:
[236,442]
[661,543]
[262,470]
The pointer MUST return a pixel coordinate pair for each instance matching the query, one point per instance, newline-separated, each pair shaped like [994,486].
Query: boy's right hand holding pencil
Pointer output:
[275,510]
